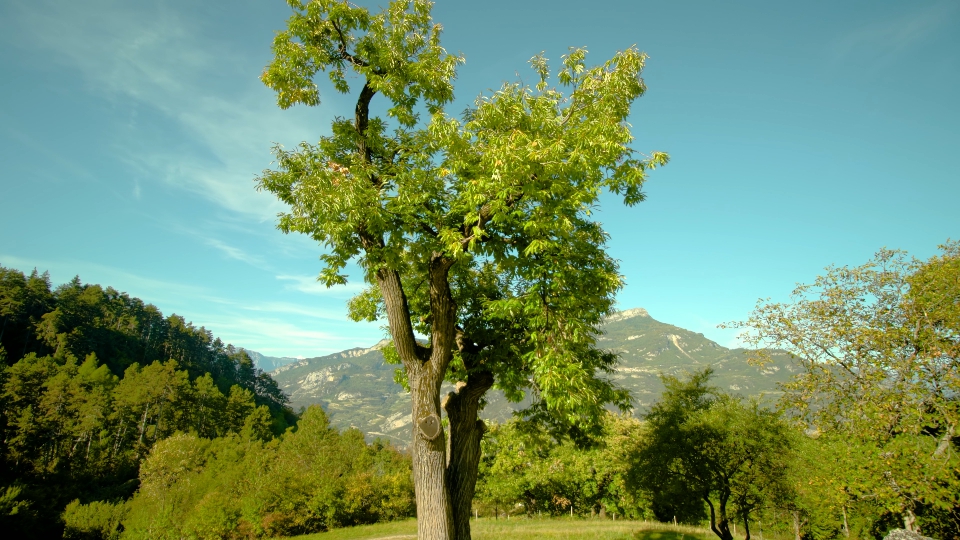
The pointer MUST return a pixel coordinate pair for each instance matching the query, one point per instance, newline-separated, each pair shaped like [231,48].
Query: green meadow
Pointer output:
[529,529]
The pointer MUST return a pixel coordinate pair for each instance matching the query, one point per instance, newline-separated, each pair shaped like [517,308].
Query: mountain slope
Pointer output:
[356,386]
[269,363]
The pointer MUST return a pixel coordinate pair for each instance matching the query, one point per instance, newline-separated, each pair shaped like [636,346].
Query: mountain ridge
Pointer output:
[356,386]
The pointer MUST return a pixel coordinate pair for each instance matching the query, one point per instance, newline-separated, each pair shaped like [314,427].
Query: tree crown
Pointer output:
[505,195]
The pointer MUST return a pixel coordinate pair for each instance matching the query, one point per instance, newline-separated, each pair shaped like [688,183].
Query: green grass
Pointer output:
[529,529]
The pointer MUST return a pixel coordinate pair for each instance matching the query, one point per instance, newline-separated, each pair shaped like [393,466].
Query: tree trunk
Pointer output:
[143,423]
[746,526]
[434,518]
[846,528]
[425,371]
[719,523]
[945,440]
[425,368]
[466,431]
[796,524]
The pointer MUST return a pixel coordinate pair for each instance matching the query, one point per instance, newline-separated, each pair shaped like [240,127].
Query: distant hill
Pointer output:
[269,363]
[356,386]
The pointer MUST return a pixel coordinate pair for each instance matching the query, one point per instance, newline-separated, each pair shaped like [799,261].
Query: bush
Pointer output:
[98,520]
[309,480]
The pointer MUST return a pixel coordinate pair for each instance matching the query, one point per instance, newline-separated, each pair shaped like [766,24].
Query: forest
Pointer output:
[107,406]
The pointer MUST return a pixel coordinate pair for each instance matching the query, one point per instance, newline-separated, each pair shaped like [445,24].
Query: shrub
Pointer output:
[98,520]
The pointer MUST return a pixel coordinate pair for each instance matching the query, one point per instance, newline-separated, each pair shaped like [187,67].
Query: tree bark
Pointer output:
[746,526]
[434,515]
[466,431]
[719,524]
[425,371]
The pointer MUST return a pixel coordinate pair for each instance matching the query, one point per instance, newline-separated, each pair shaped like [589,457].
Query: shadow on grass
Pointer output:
[668,535]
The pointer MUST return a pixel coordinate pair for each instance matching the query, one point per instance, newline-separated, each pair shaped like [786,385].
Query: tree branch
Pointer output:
[483,217]
[344,54]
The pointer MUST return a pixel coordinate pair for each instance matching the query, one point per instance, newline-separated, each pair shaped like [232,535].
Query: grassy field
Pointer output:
[529,529]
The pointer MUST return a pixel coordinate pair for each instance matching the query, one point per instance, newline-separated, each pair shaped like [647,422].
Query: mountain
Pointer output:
[356,386]
[269,363]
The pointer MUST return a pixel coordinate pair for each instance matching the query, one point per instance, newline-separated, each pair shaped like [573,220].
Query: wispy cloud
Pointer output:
[735,343]
[160,58]
[287,308]
[896,34]
[310,285]
[275,336]
[236,253]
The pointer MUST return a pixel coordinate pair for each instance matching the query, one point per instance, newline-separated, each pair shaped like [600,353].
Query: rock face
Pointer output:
[903,534]
[269,363]
[357,388]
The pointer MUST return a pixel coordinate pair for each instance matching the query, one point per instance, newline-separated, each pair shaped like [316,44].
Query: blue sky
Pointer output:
[802,134]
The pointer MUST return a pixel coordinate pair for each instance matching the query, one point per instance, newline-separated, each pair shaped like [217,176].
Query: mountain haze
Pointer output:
[356,386]
[269,363]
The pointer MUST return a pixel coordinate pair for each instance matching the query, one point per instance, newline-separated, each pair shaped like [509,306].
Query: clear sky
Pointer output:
[802,134]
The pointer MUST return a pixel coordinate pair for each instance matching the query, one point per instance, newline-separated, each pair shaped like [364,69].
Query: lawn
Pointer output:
[528,529]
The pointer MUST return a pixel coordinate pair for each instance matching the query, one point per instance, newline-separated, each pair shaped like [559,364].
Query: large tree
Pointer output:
[475,233]
[879,348]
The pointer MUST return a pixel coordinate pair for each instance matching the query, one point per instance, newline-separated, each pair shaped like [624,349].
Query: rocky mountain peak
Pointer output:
[627,314]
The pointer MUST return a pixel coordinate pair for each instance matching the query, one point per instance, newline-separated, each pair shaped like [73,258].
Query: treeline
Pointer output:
[701,457]
[77,319]
[95,387]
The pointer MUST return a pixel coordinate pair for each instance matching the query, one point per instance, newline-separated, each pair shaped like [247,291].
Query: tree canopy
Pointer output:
[878,346]
[475,232]
[703,444]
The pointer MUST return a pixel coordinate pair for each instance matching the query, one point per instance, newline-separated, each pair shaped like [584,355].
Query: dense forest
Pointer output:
[102,395]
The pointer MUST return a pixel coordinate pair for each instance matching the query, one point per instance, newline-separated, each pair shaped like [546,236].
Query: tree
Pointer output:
[878,346]
[523,468]
[703,443]
[476,233]
[23,301]
[816,498]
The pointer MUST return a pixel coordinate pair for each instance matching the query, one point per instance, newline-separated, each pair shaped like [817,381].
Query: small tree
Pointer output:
[477,233]
[879,351]
[702,443]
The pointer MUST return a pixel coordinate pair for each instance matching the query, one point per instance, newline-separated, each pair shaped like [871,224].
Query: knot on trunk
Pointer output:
[429,426]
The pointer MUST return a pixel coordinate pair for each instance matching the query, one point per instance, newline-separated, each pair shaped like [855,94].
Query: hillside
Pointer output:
[356,386]
[269,363]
